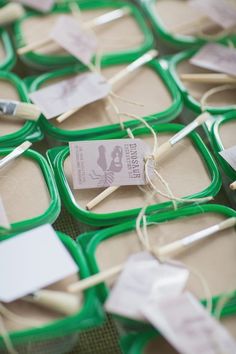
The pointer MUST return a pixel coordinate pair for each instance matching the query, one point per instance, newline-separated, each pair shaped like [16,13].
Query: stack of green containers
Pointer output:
[37,188]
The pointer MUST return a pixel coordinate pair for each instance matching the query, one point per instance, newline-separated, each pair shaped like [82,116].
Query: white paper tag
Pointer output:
[39,5]
[71,93]
[187,326]
[32,260]
[4,222]
[144,276]
[104,163]
[68,33]
[230,156]
[219,11]
[216,57]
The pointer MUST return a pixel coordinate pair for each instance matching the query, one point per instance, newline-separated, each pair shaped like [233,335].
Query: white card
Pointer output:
[31,261]
[4,222]
[39,5]
[187,326]
[71,93]
[219,11]
[68,33]
[230,156]
[216,57]
[144,276]
[104,163]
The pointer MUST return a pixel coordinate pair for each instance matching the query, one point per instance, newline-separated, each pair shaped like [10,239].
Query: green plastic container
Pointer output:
[57,157]
[148,342]
[13,134]
[223,137]
[190,102]
[181,223]
[7,55]
[27,187]
[170,41]
[46,61]
[61,335]
[64,132]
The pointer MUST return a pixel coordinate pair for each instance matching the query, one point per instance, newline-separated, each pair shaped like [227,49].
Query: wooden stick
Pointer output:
[15,153]
[145,58]
[164,148]
[181,244]
[95,279]
[233,186]
[98,21]
[211,78]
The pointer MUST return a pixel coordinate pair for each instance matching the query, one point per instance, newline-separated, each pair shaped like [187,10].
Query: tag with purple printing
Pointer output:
[220,11]
[143,277]
[39,5]
[230,156]
[216,57]
[104,163]
[70,35]
[72,93]
[187,325]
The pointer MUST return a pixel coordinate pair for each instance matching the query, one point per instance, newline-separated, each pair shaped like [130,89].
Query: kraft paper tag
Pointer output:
[144,276]
[219,11]
[104,163]
[230,156]
[4,222]
[68,33]
[31,261]
[216,57]
[72,93]
[187,326]
[39,5]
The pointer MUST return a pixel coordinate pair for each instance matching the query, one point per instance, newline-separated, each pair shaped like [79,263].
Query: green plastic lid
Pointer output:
[194,154]
[223,137]
[94,120]
[15,132]
[7,54]
[28,191]
[175,11]
[58,336]
[121,240]
[132,49]
[176,66]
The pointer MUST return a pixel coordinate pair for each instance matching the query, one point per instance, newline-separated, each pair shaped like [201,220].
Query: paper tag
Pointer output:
[144,276]
[71,93]
[219,11]
[31,261]
[39,5]
[216,57]
[187,326]
[104,163]
[68,33]
[230,156]
[4,222]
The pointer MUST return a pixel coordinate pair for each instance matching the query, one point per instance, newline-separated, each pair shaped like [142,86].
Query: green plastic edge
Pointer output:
[176,41]
[30,130]
[218,144]
[90,315]
[87,134]
[89,243]
[10,58]
[190,102]
[54,61]
[91,218]
[50,215]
